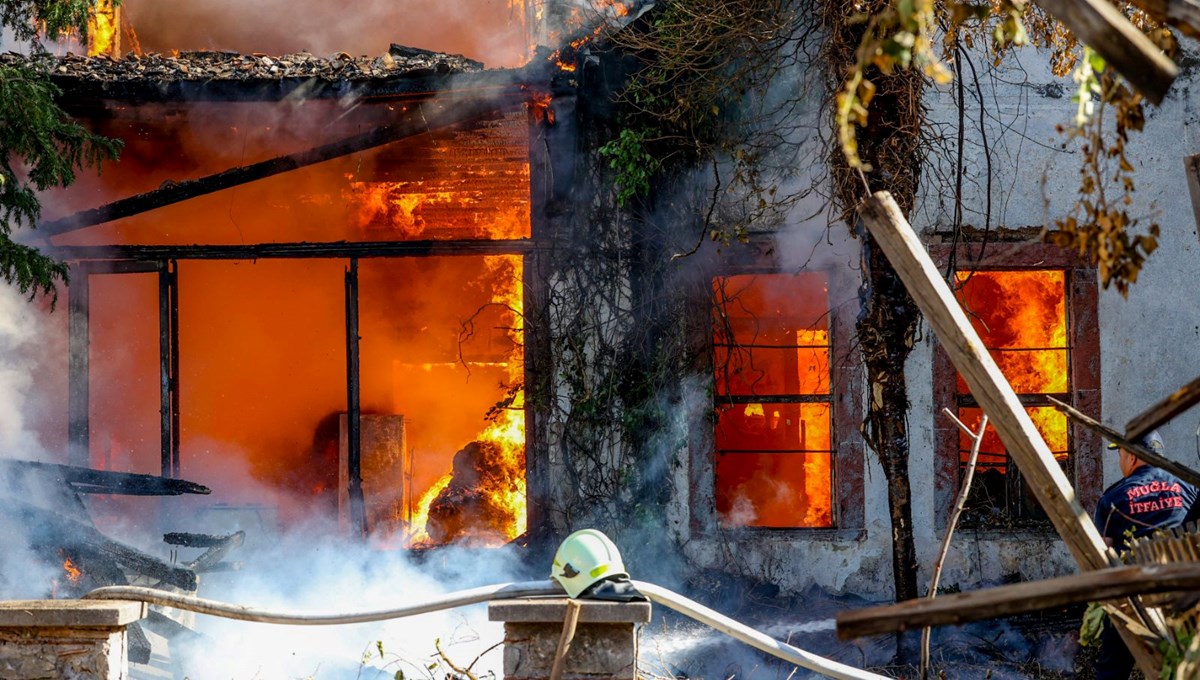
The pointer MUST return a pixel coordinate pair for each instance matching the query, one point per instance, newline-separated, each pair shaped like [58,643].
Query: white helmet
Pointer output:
[585,558]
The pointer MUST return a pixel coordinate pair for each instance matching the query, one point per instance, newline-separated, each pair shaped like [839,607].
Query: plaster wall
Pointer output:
[1150,342]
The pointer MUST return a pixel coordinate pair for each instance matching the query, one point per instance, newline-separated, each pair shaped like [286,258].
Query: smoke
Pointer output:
[25,334]
[297,574]
[492,31]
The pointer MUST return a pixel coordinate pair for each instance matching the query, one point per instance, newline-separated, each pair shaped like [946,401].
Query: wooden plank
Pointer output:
[87,480]
[1179,401]
[1102,27]
[1191,166]
[334,249]
[990,603]
[966,350]
[421,119]
[1181,14]
[1178,469]
[565,639]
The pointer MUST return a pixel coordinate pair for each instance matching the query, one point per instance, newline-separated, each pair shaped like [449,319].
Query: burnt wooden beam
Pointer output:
[78,374]
[1182,14]
[1178,469]
[86,480]
[992,603]
[211,557]
[1101,26]
[173,311]
[354,487]
[421,118]
[164,368]
[193,540]
[262,251]
[1179,401]
[995,395]
[50,530]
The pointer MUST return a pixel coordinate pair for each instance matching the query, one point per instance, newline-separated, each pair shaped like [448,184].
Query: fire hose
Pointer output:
[460,598]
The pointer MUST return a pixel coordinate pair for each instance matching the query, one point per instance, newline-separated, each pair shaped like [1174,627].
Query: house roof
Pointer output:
[221,76]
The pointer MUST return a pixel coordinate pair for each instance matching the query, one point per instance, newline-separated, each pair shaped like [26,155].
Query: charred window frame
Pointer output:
[1007,502]
[843,399]
[121,257]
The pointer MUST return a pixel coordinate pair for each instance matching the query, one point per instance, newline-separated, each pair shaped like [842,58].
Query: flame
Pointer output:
[419,526]
[104,29]
[1021,317]
[507,430]
[774,463]
[540,106]
[275,328]
[400,205]
[74,575]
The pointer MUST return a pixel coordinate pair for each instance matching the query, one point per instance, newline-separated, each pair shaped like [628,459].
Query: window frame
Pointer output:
[1083,343]
[845,399]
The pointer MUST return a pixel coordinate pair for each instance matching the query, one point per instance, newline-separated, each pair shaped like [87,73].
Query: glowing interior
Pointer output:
[1021,317]
[262,366]
[774,455]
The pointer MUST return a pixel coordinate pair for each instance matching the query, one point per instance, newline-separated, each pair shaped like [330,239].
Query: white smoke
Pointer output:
[299,574]
[22,333]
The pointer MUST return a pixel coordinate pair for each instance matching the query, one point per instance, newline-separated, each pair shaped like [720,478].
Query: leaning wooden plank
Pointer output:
[968,354]
[1182,14]
[1191,166]
[1101,26]
[1178,469]
[966,351]
[1181,400]
[421,119]
[990,603]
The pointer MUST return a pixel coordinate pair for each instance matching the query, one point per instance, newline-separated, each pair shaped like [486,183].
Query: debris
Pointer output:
[205,65]
[952,610]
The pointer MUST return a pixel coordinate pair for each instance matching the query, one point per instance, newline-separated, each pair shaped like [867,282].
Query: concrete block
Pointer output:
[555,610]
[76,639]
[605,645]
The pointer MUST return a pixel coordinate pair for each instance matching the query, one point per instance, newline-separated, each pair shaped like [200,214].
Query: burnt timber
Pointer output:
[1180,470]
[87,480]
[960,608]
[420,119]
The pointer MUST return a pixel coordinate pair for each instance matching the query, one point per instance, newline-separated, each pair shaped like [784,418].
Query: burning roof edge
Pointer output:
[230,76]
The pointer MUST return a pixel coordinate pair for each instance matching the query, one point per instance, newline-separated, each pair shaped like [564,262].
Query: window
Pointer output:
[1021,315]
[774,404]
[1035,308]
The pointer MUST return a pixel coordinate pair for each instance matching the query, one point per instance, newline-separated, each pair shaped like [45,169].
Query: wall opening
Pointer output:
[1022,317]
[773,402]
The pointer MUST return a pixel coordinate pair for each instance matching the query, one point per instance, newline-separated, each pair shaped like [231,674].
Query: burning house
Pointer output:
[393,299]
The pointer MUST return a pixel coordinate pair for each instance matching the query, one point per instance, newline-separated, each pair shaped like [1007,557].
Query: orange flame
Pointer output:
[507,430]
[1021,317]
[104,30]
[540,105]
[505,486]
[419,527]
[74,575]
[774,463]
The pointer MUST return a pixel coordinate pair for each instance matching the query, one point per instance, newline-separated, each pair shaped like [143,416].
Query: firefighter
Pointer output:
[1145,499]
